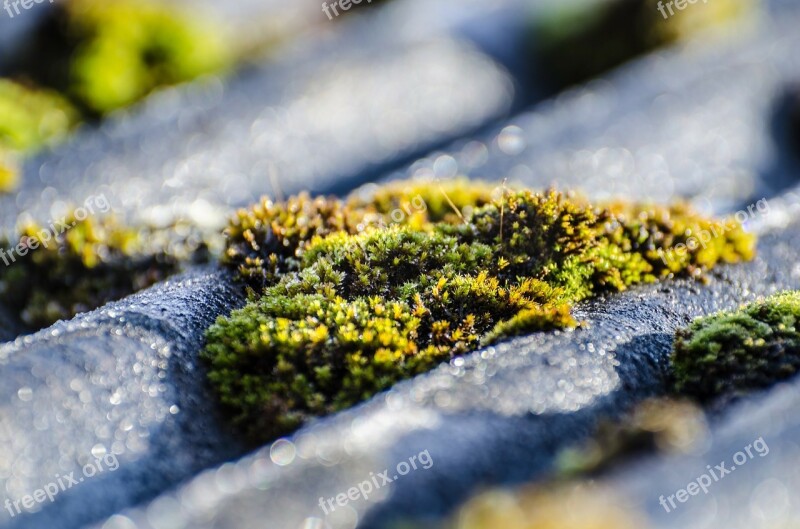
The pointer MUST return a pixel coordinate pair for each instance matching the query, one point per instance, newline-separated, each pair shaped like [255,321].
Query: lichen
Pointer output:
[50,275]
[29,120]
[107,55]
[731,353]
[342,308]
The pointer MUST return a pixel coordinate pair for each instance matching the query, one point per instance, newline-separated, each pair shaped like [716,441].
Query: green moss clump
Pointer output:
[29,120]
[735,352]
[48,276]
[342,308]
[107,55]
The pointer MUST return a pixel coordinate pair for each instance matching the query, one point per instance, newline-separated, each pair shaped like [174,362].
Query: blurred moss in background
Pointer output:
[107,55]
[30,119]
[580,39]
[120,51]
[91,57]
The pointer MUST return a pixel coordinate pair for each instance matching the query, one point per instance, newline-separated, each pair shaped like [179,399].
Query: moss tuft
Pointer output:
[735,352]
[49,276]
[343,307]
[108,55]
[30,119]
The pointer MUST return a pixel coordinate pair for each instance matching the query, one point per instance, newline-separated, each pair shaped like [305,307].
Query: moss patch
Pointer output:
[342,309]
[29,120]
[46,277]
[735,352]
[107,55]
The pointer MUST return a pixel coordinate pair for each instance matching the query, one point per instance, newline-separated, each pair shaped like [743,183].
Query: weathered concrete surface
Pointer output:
[123,379]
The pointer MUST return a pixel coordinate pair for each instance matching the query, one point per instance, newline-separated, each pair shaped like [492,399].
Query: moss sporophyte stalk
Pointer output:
[342,307]
[731,353]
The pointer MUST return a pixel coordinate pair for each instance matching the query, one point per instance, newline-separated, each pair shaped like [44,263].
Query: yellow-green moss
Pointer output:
[49,275]
[566,506]
[126,49]
[98,56]
[735,352]
[342,309]
[107,55]
[29,120]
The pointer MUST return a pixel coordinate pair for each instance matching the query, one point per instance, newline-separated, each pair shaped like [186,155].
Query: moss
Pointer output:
[735,352]
[570,496]
[573,506]
[577,40]
[341,309]
[97,57]
[107,55]
[660,424]
[49,275]
[29,120]
[9,172]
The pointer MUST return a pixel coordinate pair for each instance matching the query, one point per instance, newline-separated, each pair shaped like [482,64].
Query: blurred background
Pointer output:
[178,112]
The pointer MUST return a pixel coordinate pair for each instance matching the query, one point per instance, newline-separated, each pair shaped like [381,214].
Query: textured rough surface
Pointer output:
[671,124]
[502,414]
[479,417]
[123,380]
